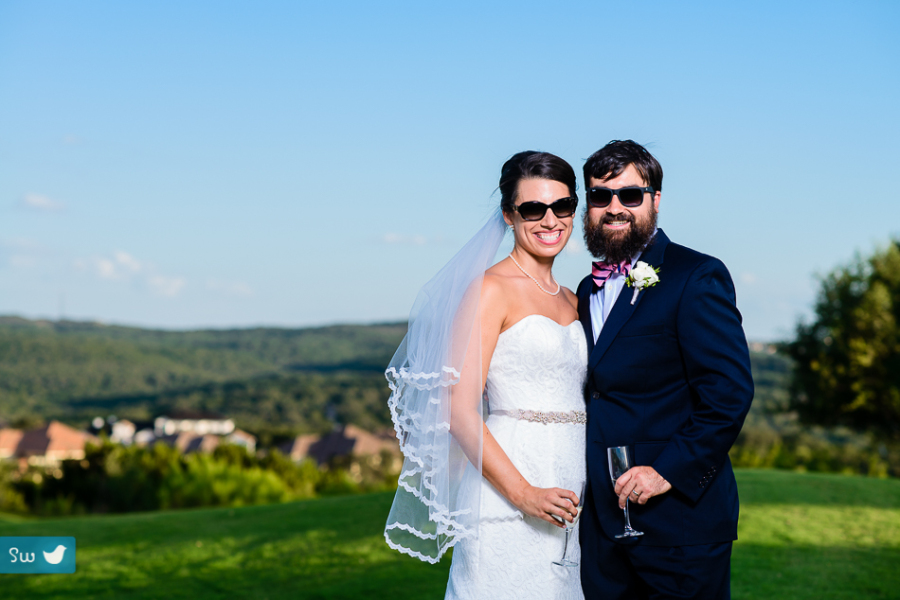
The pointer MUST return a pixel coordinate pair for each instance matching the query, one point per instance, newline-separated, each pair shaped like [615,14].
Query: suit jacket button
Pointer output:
[595,395]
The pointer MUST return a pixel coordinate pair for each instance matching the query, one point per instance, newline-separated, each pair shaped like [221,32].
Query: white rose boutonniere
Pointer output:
[641,276]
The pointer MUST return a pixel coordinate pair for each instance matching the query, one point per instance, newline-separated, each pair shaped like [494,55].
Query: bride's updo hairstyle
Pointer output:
[532,165]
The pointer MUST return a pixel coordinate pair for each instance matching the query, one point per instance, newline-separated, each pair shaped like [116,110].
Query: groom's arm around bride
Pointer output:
[668,375]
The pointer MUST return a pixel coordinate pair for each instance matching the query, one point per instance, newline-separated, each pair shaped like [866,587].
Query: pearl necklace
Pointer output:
[558,287]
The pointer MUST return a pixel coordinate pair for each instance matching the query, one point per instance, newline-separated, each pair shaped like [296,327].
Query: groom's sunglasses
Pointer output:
[629,197]
[535,211]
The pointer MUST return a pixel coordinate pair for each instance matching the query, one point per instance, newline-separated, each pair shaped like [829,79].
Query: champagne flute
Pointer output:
[621,458]
[579,491]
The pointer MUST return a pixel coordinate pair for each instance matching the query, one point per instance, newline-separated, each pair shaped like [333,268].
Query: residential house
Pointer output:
[343,441]
[45,446]
[188,441]
[242,438]
[122,432]
[9,441]
[199,422]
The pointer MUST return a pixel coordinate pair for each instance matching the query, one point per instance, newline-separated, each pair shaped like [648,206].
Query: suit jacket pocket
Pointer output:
[646,452]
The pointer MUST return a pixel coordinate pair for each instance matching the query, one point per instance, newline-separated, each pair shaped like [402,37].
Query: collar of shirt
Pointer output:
[634,259]
[603,299]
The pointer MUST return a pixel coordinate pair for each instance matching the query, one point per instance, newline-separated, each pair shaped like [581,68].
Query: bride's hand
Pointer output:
[544,503]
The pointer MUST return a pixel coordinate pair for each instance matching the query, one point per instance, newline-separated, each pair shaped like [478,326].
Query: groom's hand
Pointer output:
[639,484]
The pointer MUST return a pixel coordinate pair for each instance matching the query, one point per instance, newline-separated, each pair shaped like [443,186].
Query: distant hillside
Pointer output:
[367,345]
[76,370]
[264,378]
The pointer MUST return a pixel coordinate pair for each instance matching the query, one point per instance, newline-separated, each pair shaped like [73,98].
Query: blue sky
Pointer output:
[285,163]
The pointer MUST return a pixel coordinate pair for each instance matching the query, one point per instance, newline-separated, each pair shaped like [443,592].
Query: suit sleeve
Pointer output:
[717,364]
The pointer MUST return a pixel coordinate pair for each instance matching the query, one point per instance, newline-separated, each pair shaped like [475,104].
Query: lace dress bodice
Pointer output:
[538,367]
[538,364]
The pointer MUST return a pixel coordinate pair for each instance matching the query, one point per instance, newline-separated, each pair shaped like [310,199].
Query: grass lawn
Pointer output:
[816,536]
[801,536]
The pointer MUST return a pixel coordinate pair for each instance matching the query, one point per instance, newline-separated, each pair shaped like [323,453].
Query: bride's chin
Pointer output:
[544,252]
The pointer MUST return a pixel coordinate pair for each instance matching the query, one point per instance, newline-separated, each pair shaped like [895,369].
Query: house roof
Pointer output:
[53,437]
[370,443]
[298,447]
[349,439]
[202,443]
[188,441]
[9,440]
[238,433]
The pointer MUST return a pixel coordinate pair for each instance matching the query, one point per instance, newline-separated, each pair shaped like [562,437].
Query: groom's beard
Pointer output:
[618,246]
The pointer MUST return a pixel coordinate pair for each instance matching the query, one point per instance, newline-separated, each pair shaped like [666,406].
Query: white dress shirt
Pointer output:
[603,300]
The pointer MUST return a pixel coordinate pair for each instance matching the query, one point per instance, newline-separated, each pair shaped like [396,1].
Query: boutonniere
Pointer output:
[641,276]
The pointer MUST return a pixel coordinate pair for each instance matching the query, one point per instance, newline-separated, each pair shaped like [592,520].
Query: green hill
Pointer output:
[802,537]
[276,383]
[300,378]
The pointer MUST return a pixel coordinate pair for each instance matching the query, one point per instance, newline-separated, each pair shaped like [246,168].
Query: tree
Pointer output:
[847,360]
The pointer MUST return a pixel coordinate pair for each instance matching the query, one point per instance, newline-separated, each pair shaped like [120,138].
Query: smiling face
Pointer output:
[617,232]
[548,236]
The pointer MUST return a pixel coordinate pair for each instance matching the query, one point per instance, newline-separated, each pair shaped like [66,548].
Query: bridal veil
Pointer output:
[435,380]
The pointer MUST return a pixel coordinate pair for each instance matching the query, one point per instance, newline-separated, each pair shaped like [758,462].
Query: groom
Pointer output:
[668,375]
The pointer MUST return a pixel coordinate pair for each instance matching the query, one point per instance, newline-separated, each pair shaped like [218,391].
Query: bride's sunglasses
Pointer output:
[535,211]
[629,197]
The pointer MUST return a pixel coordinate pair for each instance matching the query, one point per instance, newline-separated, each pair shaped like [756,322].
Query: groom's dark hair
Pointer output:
[533,165]
[610,160]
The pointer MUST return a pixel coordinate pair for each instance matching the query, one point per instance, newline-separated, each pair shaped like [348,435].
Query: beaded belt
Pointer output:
[579,417]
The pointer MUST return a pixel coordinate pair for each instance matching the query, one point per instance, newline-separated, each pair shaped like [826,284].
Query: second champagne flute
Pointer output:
[579,491]
[620,460]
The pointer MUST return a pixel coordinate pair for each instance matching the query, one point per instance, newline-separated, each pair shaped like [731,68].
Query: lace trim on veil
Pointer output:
[448,527]
[434,507]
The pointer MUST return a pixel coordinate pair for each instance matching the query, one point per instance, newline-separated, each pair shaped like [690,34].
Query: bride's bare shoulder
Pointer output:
[500,284]
[571,297]
[500,278]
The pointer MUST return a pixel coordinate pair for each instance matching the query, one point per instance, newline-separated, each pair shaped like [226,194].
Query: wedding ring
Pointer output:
[636,493]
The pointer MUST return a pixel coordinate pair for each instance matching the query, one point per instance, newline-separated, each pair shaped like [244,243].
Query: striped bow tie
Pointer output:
[601,271]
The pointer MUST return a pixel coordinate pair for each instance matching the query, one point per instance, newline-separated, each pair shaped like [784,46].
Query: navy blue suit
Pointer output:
[670,376]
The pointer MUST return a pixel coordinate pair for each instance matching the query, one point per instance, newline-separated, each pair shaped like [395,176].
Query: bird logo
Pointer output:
[55,557]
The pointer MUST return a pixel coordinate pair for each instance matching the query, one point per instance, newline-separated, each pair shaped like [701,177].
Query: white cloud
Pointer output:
[230,288]
[120,266]
[166,286]
[41,203]
[123,267]
[106,268]
[575,247]
[127,262]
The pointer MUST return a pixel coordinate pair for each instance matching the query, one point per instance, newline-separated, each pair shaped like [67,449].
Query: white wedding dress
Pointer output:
[535,391]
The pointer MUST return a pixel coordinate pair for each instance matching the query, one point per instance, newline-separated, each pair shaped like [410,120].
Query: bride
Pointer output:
[487,400]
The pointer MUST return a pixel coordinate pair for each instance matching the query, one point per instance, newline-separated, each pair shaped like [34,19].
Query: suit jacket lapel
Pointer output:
[623,308]
[584,311]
